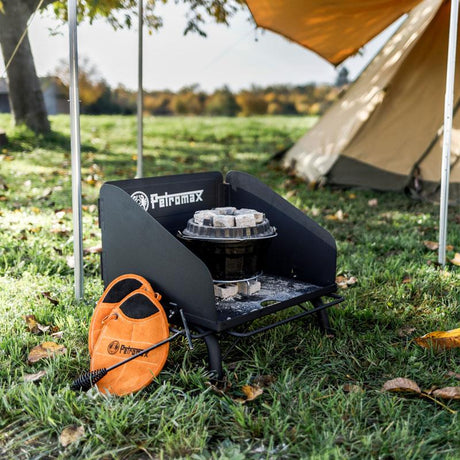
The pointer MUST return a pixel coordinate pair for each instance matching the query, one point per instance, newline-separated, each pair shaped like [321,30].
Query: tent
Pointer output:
[336,29]
[385,132]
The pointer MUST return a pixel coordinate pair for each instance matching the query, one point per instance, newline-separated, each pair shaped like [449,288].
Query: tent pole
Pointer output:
[75,150]
[446,145]
[140,94]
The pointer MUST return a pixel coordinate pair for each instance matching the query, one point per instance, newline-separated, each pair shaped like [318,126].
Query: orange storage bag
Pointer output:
[113,295]
[138,322]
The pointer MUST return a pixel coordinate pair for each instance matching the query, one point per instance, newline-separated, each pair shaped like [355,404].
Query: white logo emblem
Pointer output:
[141,199]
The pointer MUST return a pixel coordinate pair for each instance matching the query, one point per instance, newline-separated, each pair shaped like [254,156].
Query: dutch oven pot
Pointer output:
[230,253]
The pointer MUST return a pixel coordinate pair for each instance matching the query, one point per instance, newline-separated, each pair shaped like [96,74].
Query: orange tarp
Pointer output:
[334,29]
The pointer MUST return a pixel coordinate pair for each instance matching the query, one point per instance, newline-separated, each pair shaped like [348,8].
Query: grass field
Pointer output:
[322,397]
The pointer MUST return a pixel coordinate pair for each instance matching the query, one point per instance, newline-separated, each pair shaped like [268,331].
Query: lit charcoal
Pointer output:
[245,220]
[226,211]
[200,216]
[249,287]
[223,221]
[259,216]
[225,291]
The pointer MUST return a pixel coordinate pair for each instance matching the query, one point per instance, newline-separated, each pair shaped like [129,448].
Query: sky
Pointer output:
[237,56]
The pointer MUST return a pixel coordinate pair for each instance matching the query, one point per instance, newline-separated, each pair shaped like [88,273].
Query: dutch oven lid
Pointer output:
[206,231]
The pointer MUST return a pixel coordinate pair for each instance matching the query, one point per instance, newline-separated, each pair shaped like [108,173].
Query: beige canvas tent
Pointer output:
[385,132]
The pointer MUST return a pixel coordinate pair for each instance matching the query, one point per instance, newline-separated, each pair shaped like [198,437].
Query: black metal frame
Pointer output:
[140,218]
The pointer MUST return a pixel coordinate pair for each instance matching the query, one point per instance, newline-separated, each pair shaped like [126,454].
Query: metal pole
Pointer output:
[446,145]
[140,94]
[75,149]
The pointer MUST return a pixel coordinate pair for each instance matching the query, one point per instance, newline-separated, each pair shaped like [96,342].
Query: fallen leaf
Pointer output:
[47,295]
[343,281]
[431,245]
[454,374]
[45,350]
[372,203]
[401,385]
[61,231]
[58,334]
[339,216]
[34,377]
[352,388]
[251,392]
[434,246]
[42,328]
[406,279]
[70,261]
[31,322]
[440,339]
[70,434]
[447,393]
[456,259]
[60,214]
[92,250]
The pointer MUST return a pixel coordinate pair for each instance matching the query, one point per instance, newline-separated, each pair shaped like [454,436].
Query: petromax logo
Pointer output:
[141,199]
[168,199]
[115,347]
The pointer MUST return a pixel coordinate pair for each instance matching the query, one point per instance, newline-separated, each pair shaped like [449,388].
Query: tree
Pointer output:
[26,97]
[222,103]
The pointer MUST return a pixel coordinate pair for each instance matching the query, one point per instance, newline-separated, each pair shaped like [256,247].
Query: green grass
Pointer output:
[306,412]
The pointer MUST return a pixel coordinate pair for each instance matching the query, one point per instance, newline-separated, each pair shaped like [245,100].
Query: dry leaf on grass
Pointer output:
[434,246]
[339,215]
[456,259]
[45,350]
[440,339]
[352,388]
[406,279]
[343,281]
[251,392]
[70,434]
[92,250]
[35,327]
[70,261]
[31,322]
[447,393]
[47,295]
[402,385]
[33,377]
[58,334]
[59,230]
[372,203]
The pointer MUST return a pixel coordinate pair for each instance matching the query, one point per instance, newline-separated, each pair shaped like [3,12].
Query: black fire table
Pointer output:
[140,220]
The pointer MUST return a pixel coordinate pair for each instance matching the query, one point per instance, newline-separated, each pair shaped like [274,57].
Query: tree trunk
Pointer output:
[26,97]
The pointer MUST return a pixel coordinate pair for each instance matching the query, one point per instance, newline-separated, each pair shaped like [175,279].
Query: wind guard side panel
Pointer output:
[135,242]
[302,248]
